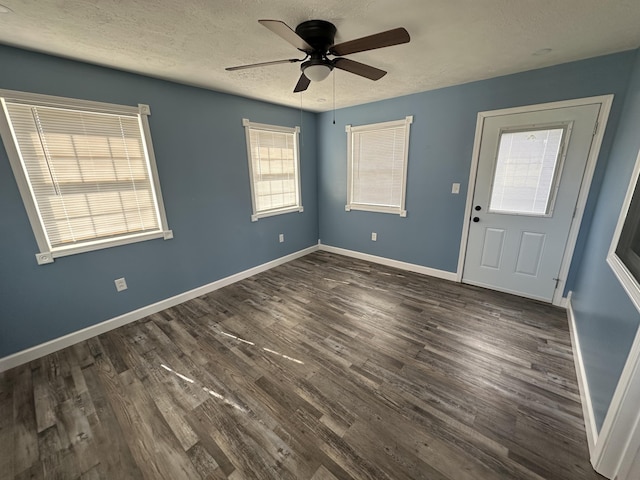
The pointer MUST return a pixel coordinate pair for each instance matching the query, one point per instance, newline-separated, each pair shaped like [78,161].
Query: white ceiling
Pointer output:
[192,41]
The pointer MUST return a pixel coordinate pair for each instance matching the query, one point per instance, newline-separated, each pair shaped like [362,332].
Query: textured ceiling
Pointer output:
[452,41]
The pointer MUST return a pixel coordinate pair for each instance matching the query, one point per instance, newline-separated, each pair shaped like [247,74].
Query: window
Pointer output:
[624,252]
[86,172]
[526,173]
[274,169]
[377,158]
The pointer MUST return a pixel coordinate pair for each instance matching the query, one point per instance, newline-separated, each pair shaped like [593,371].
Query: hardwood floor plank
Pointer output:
[340,451]
[35,472]
[206,441]
[167,391]
[323,474]
[96,473]
[161,442]
[45,404]
[285,398]
[113,352]
[80,439]
[25,446]
[51,448]
[183,340]
[248,458]
[393,456]
[204,463]
[145,431]
[114,454]
[6,426]
[82,355]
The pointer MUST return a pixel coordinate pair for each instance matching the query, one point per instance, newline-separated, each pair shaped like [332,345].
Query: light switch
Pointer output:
[455,188]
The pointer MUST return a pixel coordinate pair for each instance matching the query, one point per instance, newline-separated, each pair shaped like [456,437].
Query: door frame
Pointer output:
[605,102]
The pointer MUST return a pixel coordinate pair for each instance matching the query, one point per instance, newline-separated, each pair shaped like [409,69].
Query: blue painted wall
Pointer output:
[606,320]
[201,156]
[440,151]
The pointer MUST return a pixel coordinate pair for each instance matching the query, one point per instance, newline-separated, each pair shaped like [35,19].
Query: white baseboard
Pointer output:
[59,343]
[411,267]
[583,384]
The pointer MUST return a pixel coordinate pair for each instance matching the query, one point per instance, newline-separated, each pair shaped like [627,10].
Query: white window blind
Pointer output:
[274,169]
[378,157]
[525,174]
[88,173]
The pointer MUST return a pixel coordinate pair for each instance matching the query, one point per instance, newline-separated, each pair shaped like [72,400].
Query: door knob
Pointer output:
[478,208]
[476,219]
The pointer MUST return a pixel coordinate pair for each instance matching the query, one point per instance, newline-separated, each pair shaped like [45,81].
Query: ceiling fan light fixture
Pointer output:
[317,72]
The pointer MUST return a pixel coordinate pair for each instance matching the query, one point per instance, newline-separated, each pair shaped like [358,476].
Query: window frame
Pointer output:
[46,253]
[629,282]
[368,207]
[256,215]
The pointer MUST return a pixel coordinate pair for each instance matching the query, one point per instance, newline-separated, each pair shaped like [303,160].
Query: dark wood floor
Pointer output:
[323,368]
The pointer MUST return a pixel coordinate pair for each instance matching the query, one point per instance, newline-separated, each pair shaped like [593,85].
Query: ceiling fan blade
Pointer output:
[358,68]
[262,64]
[284,31]
[302,84]
[378,40]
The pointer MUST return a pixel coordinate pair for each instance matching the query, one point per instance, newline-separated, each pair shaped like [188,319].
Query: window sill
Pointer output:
[376,209]
[48,257]
[270,213]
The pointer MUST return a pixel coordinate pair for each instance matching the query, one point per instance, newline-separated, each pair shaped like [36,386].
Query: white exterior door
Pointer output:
[530,171]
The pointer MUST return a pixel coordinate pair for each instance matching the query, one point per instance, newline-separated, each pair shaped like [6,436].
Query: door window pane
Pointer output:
[525,171]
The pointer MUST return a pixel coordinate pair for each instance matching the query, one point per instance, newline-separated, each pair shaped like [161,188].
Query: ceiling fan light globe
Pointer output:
[317,73]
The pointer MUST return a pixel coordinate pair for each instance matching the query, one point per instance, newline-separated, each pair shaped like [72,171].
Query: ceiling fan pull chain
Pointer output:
[301,129]
[334,97]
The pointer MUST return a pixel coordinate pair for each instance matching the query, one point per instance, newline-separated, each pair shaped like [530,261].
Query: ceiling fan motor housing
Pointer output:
[319,34]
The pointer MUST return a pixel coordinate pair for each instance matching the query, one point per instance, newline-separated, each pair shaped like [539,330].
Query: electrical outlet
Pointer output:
[121,284]
[374,237]
[281,237]
[455,188]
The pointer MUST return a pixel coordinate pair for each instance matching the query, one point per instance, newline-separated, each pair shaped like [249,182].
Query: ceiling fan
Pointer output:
[315,39]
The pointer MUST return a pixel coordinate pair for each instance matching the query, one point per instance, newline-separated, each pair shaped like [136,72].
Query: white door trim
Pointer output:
[605,102]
